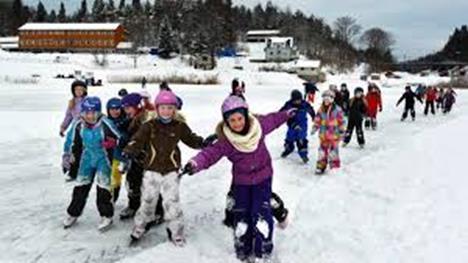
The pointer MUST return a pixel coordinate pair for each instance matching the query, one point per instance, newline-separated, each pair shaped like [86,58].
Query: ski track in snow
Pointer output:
[391,202]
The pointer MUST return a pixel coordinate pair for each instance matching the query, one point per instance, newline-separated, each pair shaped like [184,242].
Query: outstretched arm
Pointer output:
[272,121]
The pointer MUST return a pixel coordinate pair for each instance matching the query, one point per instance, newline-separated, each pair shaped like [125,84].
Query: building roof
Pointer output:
[263,32]
[307,64]
[69,26]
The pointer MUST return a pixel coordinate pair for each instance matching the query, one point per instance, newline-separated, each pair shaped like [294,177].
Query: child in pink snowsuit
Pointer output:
[330,124]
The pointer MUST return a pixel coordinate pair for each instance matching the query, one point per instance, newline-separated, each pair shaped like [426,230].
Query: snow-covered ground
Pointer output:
[402,199]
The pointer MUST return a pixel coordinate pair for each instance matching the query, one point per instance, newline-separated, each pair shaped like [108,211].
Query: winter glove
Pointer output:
[62,132]
[380,109]
[189,168]
[109,143]
[208,141]
[67,161]
[291,112]
[124,166]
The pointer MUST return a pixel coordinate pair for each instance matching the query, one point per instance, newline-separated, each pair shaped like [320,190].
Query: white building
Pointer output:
[280,49]
[9,43]
[308,69]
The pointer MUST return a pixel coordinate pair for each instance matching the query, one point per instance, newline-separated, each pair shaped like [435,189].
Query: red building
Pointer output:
[70,36]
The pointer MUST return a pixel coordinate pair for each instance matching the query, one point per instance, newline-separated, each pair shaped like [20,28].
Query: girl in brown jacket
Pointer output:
[158,139]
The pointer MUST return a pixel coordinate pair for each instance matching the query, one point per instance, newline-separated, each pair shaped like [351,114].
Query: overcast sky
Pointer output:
[419,26]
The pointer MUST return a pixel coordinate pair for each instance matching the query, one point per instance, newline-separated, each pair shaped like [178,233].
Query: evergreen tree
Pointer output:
[166,38]
[98,11]
[82,14]
[121,5]
[52,16]
[41,13]
[62,15]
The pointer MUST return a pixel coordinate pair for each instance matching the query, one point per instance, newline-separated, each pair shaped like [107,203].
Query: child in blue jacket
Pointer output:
[97,136]
[297,126]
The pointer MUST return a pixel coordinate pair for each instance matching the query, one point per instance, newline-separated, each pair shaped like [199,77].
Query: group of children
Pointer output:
[335,121]
[434,99]
[140,139]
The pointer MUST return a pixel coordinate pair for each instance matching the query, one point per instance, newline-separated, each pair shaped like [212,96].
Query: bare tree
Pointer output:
[378,53]
[378,39]
[346,29]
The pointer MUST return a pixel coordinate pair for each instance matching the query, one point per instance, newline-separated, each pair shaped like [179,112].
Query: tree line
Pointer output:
[206,26]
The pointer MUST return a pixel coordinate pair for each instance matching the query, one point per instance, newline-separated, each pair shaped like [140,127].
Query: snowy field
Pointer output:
[401,199]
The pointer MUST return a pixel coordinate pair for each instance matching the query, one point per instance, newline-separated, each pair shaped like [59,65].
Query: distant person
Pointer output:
[431,97]
[410,99]
[143,83]
[374,105]
[310,90]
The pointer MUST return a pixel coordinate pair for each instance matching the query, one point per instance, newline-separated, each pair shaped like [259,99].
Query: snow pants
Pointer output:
[253,221]
[429,104]
[155,184]
[371,119]
[328,155]
[278,209]
[298,137]
[355,124]
[93,164]
[408,109]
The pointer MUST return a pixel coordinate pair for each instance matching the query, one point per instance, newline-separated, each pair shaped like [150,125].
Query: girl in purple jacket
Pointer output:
[242,141]
[79,92]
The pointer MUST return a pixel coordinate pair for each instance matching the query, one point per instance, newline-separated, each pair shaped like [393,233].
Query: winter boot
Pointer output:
[179,241]
[105,224]
[137,233]
[319,171]
[127,213]
[69,221]
[305,159]
[286,153]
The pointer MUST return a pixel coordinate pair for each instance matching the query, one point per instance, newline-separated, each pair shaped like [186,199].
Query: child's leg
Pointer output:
[334,156]
[405,114]
[134,180]
[262,219]
[228,211]
[374,122]
[79,197]
[413,113]
[322,159]
[84,182]
[149,198]
[426,108]
[302,143]
[367,122]
[243,228]
[116,180]
[432,108]
[289,143]
[360,133]
[349,132]
[104,195]
[171,203]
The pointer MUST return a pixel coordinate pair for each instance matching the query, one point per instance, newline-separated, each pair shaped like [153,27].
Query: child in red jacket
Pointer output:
[374,105]
[431,96]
